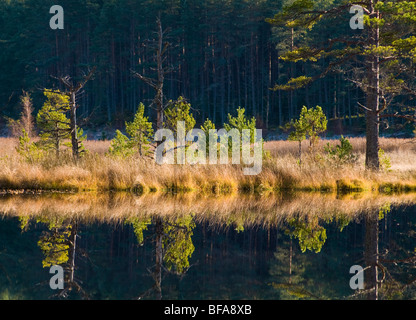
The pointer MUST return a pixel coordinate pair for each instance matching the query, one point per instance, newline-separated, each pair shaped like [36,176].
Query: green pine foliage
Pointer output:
[81,137]
[138,141]
[206,127]
[311,237]
[378,60]
[140,131]
[120,146]
[54,243]
[341,154]
[385,161]
[178,244]
[241,122]
[52,121]
[177,111]
[235,64]
[384,210]
[29,150]
[310,124]
[139,226]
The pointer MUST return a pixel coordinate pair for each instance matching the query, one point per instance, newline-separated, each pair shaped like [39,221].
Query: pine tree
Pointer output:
[120,146]
[176,112]
[378,59]
[240,123]
[140,131]
[206,127]
[28,149]
[309,125]
[140,134]
[52,121]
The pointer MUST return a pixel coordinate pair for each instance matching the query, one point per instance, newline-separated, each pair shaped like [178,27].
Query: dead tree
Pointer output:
[160,46]
[73,90]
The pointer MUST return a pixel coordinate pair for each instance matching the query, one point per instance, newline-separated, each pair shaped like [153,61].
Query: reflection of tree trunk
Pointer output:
[290,262]
[70,266]
[159,258]
[70,282]
[371,256]
[72,251]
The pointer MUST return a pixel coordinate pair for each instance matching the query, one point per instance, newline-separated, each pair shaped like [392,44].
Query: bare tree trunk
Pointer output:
[74,130]
[292,75]
[253,87]
[27,120]
[73,90]
[269,85]
[57,143]
[160,46]
[372,103]
[160,75]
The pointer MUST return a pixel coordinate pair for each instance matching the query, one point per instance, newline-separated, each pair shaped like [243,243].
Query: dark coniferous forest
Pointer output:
[221,55]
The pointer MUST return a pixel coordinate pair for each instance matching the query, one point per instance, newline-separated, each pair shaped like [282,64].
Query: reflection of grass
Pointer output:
[281,172]
[295,290]
[6,295]
[233,210]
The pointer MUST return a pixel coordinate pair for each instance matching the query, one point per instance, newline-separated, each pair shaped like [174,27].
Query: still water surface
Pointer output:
[126,247]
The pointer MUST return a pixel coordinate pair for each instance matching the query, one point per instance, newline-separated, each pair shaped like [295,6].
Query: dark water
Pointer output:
[184,259]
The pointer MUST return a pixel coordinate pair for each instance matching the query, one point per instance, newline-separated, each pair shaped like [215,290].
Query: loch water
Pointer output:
[298,247]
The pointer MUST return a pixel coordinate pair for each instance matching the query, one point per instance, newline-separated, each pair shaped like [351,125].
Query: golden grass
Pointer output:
[97,172]
[284,147]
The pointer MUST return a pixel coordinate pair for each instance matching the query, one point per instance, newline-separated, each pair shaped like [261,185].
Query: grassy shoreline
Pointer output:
[280,173]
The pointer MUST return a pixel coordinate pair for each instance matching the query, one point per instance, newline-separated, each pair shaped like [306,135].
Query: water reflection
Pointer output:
[121,246]
[173,248]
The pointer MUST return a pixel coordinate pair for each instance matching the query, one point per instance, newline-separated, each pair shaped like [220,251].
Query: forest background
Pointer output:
[223,54]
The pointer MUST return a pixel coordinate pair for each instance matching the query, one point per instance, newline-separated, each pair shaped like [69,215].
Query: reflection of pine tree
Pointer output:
[139,226]
[178,244]
[311,235]
[288,272]
[299,269]
[173,247]
[59,246]
[54,243]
